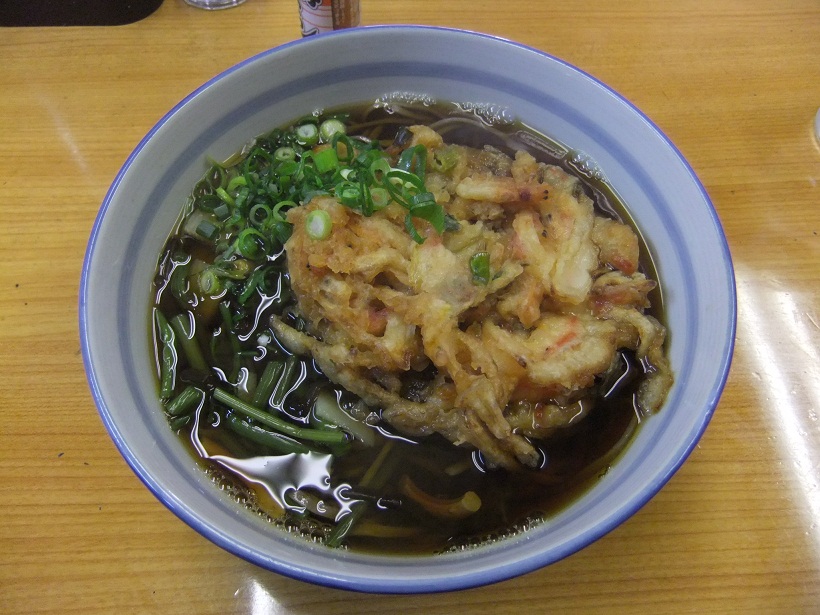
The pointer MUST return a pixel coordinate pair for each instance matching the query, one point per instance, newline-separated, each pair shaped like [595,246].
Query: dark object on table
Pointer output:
[75,12]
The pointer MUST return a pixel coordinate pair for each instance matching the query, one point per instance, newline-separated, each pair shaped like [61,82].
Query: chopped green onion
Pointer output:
[414,160]
[318,224]
[307,134]
[284,154]
[287,168]
[280,206]
[480,268]
[208,202]
[405,179]
[227,198]
[222,212]
[405,161]
[330,128]
[429,210]
[445,158]
[380,198]
[349,195]
[259,215]
[242,196]
[422,199]
[350,148]
[239,180]
[251,243]
[257,158]
[379,168]
[367,200]
[326,160]
[235,221]
[451,224]
[207,230]
[236,269]
[216,175]
[210,282]
[282,231]
[411,228]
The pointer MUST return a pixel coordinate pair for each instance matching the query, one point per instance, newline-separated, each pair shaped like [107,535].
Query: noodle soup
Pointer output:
[407,327]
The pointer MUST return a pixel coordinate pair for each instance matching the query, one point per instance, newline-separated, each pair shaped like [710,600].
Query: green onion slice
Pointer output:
[307,134]
[350,147]
[207,230]
[480,268]
[222,212]
[237,181]
[251,243]
[414,160]
[379,168]
[380,198]
[210,282]
[330,128]
[259,215]
[284,154]
[349,195]
[318,224]
[281,231]
[223,194]
[411,228]
[326,160]
[282,205]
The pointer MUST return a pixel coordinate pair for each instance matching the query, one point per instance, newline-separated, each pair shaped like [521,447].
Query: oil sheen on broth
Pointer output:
[386,491]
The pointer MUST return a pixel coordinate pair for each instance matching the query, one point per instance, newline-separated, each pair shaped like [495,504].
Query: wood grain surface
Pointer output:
[734,84]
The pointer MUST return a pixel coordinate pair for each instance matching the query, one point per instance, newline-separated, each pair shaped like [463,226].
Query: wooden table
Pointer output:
[735,85]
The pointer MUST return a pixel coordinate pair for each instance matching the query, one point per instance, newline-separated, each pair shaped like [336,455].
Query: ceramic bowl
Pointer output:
[662,193]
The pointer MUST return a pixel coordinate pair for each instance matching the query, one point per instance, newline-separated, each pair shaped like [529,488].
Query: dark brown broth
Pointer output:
[511,501]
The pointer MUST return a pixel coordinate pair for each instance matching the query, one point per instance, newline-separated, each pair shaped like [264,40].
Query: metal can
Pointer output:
[325,15]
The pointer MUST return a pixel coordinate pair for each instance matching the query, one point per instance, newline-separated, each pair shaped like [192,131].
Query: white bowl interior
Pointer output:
[662,194]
